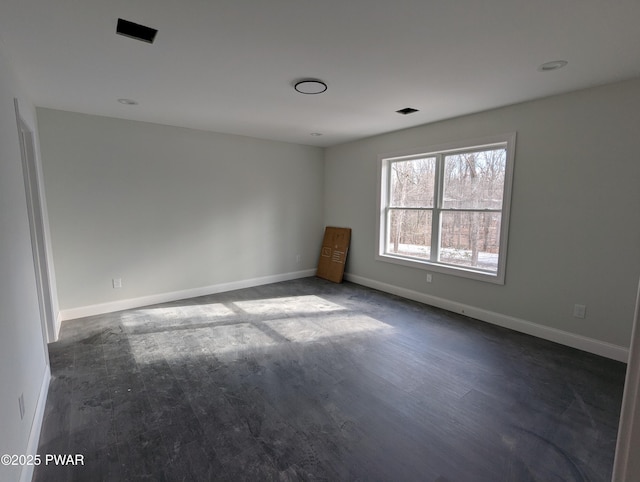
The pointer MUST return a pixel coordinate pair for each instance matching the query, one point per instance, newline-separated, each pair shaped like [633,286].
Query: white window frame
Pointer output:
[508,141]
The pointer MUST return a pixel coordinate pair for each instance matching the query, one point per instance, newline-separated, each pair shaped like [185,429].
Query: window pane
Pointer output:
[474,180]
[470,239]
[409,233]
[412,183]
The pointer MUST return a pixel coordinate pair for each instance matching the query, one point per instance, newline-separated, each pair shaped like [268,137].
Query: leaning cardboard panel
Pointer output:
[333,254]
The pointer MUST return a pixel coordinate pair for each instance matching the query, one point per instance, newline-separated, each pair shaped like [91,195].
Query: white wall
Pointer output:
[170,210]
[574,233]
[23,360]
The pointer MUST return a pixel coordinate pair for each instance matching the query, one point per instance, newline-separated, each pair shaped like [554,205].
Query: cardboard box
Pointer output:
[333,254]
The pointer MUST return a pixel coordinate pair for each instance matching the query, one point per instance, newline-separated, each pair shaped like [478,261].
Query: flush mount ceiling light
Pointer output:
[127,101]
[553,65]
[310,86]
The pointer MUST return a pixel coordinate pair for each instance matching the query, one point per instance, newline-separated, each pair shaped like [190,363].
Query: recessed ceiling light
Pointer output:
[316,134]
[127,101]
[310,86]
[553,65]
[407,110]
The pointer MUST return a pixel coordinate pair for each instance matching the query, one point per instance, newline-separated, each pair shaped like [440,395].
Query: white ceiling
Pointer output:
[229,65]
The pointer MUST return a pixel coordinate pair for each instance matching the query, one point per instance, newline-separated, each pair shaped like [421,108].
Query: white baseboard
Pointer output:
[112,306]
[573,340]
[36,426]
[56,328]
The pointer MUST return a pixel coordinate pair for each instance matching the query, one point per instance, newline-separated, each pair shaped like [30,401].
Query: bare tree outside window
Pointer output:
[447,207]
[412,186]
[472,203]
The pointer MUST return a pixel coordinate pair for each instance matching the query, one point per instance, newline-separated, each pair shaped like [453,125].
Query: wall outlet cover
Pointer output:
[579,311]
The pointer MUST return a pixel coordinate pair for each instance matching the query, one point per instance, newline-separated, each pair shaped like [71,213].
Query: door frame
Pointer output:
[626,467]
[36,213]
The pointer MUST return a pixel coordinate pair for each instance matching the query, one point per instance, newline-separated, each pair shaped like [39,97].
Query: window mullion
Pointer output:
[436,221]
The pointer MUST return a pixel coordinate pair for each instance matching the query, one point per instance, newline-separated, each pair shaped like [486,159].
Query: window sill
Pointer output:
[459,271]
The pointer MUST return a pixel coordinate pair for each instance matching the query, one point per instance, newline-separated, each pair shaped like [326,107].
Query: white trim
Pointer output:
[623,469]
[573,340]
[36,426]
[56,328]
[35,199]
[130,303]
[508,140]
[461,271]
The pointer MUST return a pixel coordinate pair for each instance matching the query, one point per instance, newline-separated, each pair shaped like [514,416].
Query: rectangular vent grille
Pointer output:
[407,110]
[136,31]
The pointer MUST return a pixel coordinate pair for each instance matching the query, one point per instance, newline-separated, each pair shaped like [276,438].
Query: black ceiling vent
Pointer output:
[407,110]
[136,31]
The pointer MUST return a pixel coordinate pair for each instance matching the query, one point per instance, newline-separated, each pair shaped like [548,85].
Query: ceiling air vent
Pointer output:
[136,31]
[407,110]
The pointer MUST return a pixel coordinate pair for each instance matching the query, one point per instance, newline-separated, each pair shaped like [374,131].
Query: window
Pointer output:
[446,209]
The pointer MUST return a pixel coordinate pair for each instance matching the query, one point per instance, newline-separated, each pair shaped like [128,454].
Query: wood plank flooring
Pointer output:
[308,380]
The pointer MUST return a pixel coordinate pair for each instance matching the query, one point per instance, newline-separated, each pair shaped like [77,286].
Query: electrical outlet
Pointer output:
[117,283]
[21,405]
[297,259]
[429,278]
[579,311]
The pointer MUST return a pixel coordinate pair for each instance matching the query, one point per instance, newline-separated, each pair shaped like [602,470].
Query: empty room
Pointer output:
[292,241]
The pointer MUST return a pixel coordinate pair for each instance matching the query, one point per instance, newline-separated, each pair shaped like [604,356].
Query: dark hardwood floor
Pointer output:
[308,380]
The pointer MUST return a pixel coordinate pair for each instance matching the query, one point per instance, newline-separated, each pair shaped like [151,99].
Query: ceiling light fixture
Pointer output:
[310,86]
[127,101]
[553,65]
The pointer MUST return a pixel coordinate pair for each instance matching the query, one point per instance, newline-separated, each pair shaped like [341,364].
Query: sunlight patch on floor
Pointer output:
[225,341]
[228,330]
[305,330]
[210,311]
[288,305]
